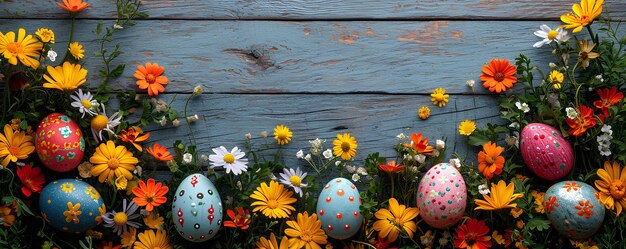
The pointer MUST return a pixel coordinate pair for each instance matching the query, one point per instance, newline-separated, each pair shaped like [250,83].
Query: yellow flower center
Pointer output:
[498,76]
[345,146]
[305,236]
[229,158]
[14,48]
[617,189]
[120,218]
[273,204]
[86,103]
[113,163]
[99,122]
[150,78]
[295,181]
[552,34]
[439,97]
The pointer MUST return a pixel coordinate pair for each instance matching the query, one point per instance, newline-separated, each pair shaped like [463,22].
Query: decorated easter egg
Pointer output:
[546,152]
[71,205]
[59,143]
[338,208]
[197,209]
[442,196]
[573,209]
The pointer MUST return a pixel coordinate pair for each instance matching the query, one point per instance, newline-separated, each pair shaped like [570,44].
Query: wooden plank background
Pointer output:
[319,66]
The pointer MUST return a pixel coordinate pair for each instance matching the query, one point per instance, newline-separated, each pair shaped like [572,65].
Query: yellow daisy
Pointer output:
[129,237]
[500,197]
[76,49]
[272,243]
[539,201]
[274,201]
[439,97]
[72,213]
[45,35]
[14,145]
[556,78]
[110,160]
[306,232]
[467,127]
[26,49]
[584,13]
[65,78]
[612,186]
[345,146]
[282,134]
[153,220]
[423,112]
[150,240]
[394,220]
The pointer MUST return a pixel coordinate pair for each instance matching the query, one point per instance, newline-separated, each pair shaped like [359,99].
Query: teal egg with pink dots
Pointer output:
[71,205]
[573,209]
[442,196]
[338,208]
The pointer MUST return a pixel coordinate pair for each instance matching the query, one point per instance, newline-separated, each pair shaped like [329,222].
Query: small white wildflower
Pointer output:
[138,171]
[197,90]
[239,185]
[552,65]
[420,158]
[160,107]
[264,134]
[300,154]
[117,26]
[356,177]
[571,112]
[599,77]
[511,141]
[440,144]
[52,56]
[470,83]
[193,118]
[307,157]
[514,125]
[522,107]
[401,136]
[504,113]
[176,122]
[316,146]
[604,151]
[607,129]
[337,163]
[361,171]
[604,138]
[483,189]
[163,121]
[408,157]
[328,154]
[413,169]
[204,158]
[187,158]
[351,169]
[455,162]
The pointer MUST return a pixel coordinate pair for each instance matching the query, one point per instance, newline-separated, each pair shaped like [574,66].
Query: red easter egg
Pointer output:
[546,152]
[59,142]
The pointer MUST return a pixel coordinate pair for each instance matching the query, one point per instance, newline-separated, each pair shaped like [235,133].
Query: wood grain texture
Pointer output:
[375,120]
[319,9]
[309,57]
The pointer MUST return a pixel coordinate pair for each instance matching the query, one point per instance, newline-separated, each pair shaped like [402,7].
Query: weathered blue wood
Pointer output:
[375,120]
[313,57]
[319,9]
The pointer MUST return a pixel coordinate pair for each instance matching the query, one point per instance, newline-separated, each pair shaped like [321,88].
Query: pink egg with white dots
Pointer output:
[546,152]
[442,196]
[338,208]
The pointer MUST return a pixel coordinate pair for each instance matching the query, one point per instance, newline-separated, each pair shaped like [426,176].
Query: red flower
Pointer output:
[583,121]
[32,178]
[391,167]
[382,243]
[419,145]
[472,234]
[239,220]
[608,97]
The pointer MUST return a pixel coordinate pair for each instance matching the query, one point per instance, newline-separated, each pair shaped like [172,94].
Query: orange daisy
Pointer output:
[608,97]
[391,167]
[150,195]
[490,161]
[498,75]
[133,136]
[583,121]
[150,77]
[73,5]
[420,145]
[160,153]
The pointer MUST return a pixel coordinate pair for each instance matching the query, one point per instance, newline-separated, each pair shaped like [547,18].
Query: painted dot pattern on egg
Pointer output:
[336,202]
[545,151]
[198,209]
[71,205]
[442,196]
[59,142]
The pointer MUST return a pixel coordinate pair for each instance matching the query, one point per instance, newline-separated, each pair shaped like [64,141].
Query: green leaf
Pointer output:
[117,71]
[477,140]
[538,224]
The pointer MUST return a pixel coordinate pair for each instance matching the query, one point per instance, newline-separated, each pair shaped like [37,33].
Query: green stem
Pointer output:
[192,140]
[67,51]
[593,37]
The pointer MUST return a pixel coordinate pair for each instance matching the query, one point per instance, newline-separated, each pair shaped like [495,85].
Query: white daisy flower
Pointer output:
[231,161]
[101,123]
[187,158]
[522,106]
[571,112]
[84,102]
[550,35]
[293,178]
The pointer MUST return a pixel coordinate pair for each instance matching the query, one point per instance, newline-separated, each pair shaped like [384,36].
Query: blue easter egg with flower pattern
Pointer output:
[573,209]
[71,205]
[338,208]
[197,209]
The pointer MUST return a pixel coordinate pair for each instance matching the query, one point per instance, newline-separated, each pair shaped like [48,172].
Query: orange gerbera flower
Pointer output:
[498,75]
[150,77]
[584,120]
[73,5]
[133,136]
[160,153]
[420,146]
[391,167]
[32,178]
[240,220]
[490,161]
[608,97]
[150,195]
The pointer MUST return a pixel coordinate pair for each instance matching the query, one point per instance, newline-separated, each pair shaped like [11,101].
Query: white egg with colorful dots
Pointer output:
[338,208]
[197,209]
